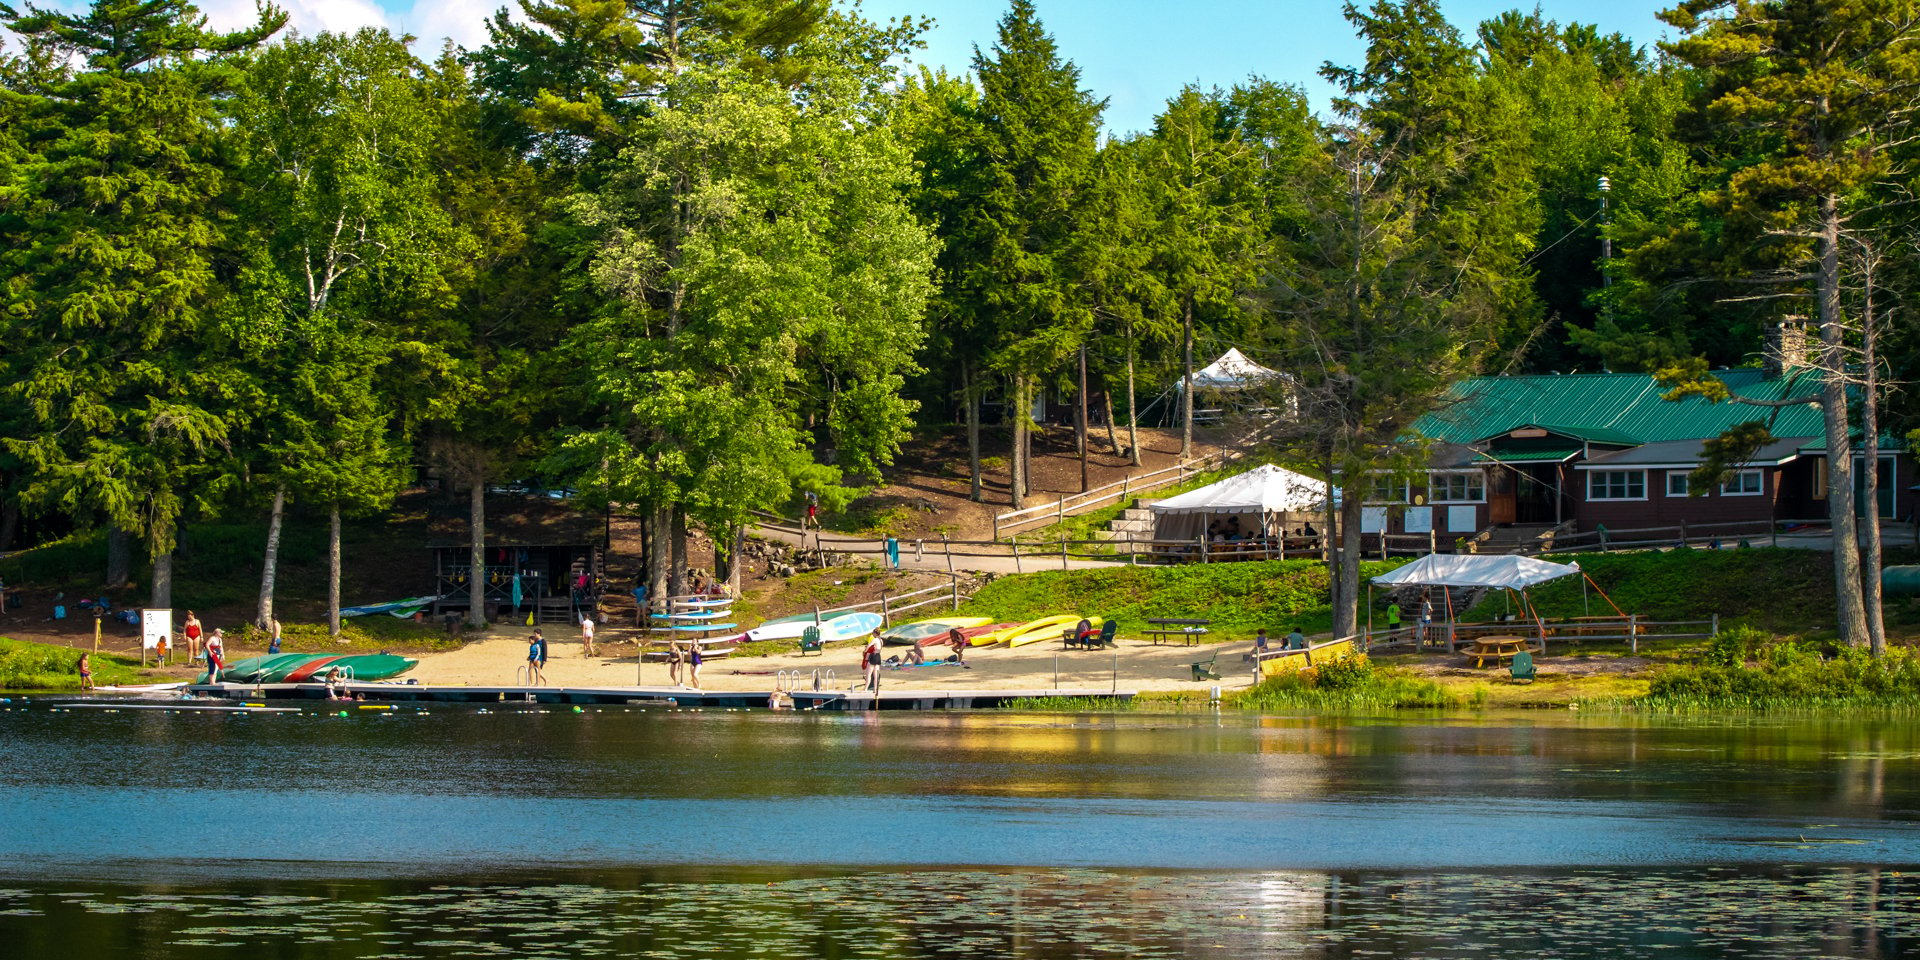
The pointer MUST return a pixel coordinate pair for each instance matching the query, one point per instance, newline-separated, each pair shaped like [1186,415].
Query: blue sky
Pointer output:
[1135,52]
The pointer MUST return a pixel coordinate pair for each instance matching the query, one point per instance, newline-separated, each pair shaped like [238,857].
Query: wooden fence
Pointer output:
[1121,492]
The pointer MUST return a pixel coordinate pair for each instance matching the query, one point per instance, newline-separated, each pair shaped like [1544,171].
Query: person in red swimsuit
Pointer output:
[192,631]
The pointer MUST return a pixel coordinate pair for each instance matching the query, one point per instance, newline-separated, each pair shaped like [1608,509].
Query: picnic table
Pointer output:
[1496,648]
[1167,628]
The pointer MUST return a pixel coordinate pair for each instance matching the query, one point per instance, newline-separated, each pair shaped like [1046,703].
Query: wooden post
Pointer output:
[1016,555]
[1203,549]
[948,544]
[1060,510]
[1063,551]
[955,584]
[96,636]
[886,614]
[996,526]
[1633,631]
[1716,624]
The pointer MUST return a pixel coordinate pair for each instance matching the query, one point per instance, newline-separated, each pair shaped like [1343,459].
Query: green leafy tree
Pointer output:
[338,138]
[766,282]
[124,336]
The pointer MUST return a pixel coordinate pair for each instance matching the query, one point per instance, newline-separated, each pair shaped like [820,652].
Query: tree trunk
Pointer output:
[119,557]
[1850,601]
[1015,462]
[161,596]
[1080,420]
[677,577]
[1870,447]
[659,559]
[972,398]
[1346,606]
[333,570]
[10,526]
[1113,440]
[270,564]
[477,555]
[1133,411]
[1186,405]
[736,558]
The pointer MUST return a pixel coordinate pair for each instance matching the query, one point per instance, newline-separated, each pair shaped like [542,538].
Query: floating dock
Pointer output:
[650,696]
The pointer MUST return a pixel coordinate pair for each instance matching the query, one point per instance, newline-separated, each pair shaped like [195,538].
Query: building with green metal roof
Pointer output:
[1586,451]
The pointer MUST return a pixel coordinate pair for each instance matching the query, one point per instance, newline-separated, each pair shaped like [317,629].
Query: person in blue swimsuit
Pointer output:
[693,663]
[537,659]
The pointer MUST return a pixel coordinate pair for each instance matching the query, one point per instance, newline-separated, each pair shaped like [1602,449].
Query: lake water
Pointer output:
[546,832]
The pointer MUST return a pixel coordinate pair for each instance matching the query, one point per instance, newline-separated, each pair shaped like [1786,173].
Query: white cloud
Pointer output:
[307,16]
[434,21]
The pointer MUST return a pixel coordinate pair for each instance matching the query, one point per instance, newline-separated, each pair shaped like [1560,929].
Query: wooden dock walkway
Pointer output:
[837,700]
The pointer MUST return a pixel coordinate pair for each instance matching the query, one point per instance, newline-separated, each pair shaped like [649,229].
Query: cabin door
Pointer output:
[1500,496]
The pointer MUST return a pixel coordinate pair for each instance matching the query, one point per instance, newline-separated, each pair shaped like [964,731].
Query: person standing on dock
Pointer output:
[693,663]
[674,659]
[192,632]
[273,636]
[870,662]
[216,652]
[586,635]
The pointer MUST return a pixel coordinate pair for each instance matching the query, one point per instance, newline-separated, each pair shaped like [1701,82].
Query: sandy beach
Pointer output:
[1133,665]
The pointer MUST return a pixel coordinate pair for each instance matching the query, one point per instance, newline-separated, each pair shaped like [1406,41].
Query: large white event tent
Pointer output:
[1448,571]
[1260,498]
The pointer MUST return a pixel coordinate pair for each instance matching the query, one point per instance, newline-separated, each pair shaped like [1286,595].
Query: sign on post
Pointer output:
[155,626]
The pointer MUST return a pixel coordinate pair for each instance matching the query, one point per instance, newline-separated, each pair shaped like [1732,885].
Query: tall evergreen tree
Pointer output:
[123,334]
[1037,137]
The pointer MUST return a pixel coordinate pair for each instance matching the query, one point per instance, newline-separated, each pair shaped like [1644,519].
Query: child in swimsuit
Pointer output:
[86,672]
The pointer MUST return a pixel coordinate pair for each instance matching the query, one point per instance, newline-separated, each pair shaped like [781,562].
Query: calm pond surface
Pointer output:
[532,832]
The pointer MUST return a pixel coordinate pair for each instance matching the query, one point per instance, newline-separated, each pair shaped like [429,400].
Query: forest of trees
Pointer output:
[688,257]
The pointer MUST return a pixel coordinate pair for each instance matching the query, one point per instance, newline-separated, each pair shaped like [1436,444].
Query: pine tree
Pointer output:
[1037,135]
[121,322]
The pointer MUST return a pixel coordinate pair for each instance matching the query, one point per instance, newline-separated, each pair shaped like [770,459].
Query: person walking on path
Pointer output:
[192,632]
[586,635]
[86,672]
[1393,621]
[216,655]
[813,511]
[1426,616]
[639,606]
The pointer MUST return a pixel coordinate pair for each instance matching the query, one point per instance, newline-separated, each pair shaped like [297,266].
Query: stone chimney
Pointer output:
[1786,349]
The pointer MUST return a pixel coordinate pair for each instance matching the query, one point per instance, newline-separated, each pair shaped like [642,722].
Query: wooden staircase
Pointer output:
[1132,530]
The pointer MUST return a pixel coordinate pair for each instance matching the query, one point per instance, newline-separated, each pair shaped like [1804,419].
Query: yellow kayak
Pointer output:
[1034,631]
[1018,629]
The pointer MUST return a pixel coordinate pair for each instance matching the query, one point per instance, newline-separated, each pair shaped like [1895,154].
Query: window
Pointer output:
[1384,488]
[1467,486]
[1677,483]
[1746,483]
[1617,485]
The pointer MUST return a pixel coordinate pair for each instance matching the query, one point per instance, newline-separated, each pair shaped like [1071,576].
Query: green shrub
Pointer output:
[1787,675]
[1735,646]
[40,666]
[1351,685]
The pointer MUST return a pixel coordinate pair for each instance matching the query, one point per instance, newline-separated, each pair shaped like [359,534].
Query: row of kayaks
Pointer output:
[314,668]
[981,632]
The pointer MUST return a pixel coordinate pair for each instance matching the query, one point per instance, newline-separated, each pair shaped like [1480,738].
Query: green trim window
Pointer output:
[1385,488]
[1617,485]
[1677,483]
[1746,483]
[1457,486]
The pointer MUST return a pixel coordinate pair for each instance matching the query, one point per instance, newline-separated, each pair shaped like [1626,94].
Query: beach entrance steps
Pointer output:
[1132,528]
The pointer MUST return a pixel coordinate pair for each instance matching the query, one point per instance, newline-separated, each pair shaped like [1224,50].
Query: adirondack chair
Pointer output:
[1078,635]
[1204,669]
[1523,667]
[810,641]
[1108,631]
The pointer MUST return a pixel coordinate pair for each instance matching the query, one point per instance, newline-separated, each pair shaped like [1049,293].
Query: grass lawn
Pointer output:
[40,666]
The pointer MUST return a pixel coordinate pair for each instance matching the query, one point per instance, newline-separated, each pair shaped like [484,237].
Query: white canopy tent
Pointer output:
[1253,504]
[1467,571]
[1472,570]
[1233,371]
